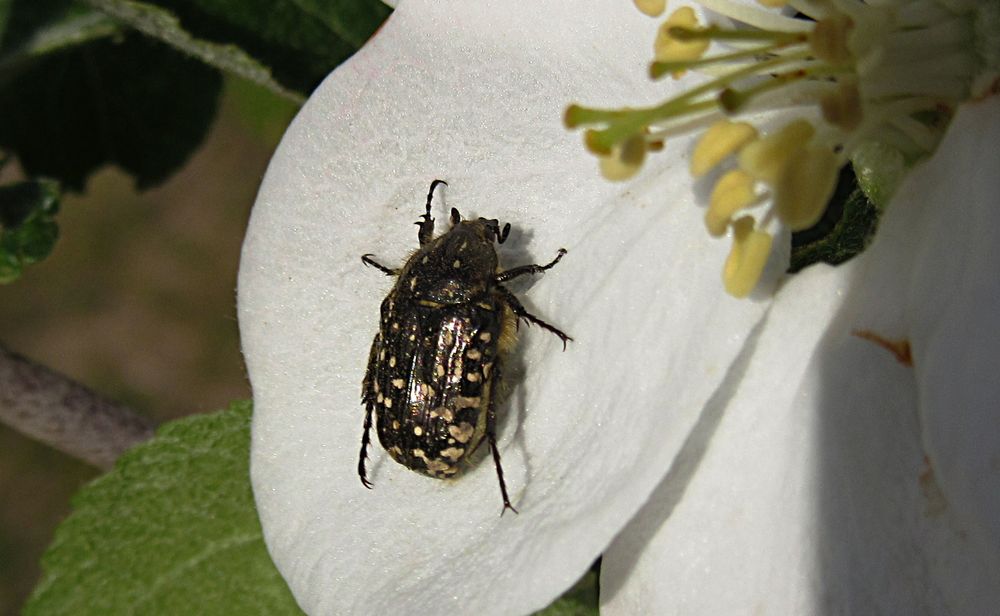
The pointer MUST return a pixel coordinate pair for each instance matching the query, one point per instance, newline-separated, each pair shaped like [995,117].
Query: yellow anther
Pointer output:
[874,80]
[719,141]
[746,260]
[653,8]
[625,160]
[765,159]
[733,192]
[805,187]
[842,107]
[828,39]
[669,49]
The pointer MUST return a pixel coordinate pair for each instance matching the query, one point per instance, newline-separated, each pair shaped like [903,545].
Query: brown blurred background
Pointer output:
[137,302]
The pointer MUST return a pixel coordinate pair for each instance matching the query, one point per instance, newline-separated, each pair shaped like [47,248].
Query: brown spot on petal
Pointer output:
[936,502]
[899,348]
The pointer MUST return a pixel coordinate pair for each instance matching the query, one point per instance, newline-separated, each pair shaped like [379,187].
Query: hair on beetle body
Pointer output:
[435,369]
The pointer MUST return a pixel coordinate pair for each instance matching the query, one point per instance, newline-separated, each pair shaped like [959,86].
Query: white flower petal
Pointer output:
[813,492]
[473,93]
[953,308]
[729,529]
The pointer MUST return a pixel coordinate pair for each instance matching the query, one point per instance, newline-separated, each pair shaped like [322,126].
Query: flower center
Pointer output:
[850,81]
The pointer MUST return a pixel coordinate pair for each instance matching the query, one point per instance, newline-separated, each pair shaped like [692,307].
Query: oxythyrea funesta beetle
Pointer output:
[436,362]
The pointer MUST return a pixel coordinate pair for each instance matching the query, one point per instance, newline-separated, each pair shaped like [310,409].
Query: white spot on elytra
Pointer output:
[437,465]
[466,402]
[472,376]
[443,411]
[398,383]
[486,336]
[473,354]
[462,432]
[439,370]
[453,453]
[457,264]
[418,430]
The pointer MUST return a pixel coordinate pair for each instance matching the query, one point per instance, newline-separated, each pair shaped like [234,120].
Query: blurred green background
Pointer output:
[137,301]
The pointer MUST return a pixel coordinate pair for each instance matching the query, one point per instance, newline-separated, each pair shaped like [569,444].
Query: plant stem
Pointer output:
[63,414]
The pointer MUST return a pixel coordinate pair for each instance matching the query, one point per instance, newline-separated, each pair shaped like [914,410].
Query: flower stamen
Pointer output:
[733,192]
[747,258]
[672,45]
[866,78]
[718,142]
[653,8]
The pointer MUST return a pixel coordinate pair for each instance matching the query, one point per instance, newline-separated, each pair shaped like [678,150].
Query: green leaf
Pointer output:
[298,41]
[163,25]
[4,17]
[260,111]
[129,100]
[28,230]
[844,231]
[171,529]
[31,28]
[580,600]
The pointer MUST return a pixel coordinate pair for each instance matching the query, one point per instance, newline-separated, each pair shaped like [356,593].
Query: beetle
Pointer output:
[436,363]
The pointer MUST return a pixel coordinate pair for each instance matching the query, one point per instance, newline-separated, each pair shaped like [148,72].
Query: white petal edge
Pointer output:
[473,94]
[814,491]
[953,310]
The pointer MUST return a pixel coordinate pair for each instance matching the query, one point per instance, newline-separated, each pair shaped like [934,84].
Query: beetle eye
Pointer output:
[455,216]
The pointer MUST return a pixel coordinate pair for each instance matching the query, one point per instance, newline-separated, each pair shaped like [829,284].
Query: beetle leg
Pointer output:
[529,269]
[365,440]
[518,309]
[368,399]
[367,260]
[491,437]
[426,224]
